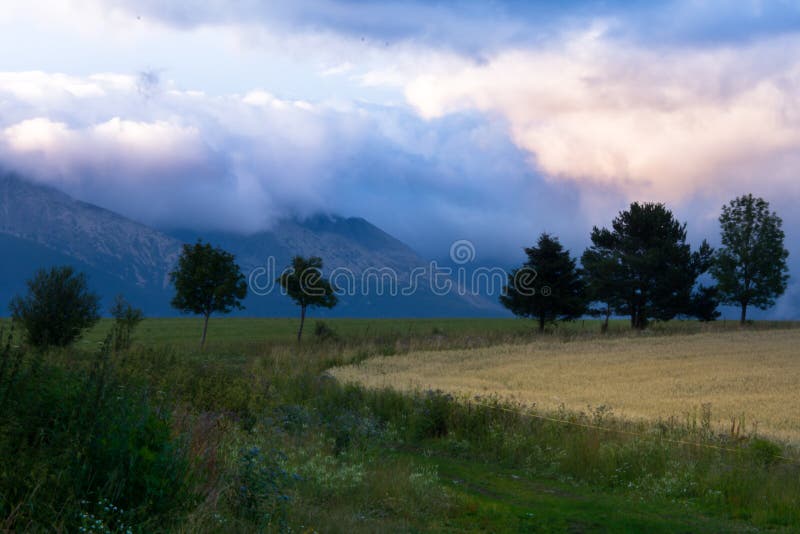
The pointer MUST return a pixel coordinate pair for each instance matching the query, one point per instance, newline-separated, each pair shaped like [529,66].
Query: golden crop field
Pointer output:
[753,375]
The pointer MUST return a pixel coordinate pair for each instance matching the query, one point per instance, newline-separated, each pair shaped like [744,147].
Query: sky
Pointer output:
[483,120]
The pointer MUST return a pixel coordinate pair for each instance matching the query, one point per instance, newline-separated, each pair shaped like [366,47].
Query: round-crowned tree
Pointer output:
[750,266]
[306,286]
[57,309]
[207,280]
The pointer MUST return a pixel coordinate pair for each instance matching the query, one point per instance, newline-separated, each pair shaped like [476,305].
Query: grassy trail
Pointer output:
[499,500]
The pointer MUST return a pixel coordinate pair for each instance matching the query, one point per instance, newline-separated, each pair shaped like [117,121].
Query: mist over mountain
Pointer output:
[41,227]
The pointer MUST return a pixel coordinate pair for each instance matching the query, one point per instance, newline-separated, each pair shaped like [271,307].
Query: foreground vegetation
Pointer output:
[258,436]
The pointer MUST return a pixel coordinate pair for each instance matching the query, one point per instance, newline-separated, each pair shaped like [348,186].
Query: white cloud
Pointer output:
[38,87]
[116,147]
[174,157]
[338,69]
[182,158]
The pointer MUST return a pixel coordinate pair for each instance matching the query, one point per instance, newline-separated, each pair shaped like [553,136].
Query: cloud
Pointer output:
[238,162]
[170,157]
[477,28]
[654,123]
[707,23]
[457,25]
[40,88]
[491,121]
[136,147]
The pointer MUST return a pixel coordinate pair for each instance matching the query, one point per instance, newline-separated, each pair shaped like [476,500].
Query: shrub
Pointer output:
[431,415]
[763,452]
[262,487]
[10,363]
[323,332]
[350,429]
[57,308]
[126,319]
[78,446]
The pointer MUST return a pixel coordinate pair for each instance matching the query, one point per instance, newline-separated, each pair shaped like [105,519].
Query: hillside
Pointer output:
[41,226]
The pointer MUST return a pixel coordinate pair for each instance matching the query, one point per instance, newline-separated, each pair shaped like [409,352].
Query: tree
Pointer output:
[561,292]
[643,266]
[750,268]
[207,280]
[57,309]
[304,283]
[704,301]
[602,288]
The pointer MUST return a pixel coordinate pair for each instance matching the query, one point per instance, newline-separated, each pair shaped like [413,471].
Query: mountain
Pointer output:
[41,226]
[372,268]
[352,243]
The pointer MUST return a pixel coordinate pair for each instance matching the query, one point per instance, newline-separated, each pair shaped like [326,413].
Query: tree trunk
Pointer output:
[604,326]
[205,329]
[743,320]
[541,324]
[638,319]
[302,321]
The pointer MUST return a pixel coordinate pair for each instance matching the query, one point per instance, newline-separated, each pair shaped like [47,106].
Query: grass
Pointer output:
[502,500]
[254,435]
[253,335]
[752,377]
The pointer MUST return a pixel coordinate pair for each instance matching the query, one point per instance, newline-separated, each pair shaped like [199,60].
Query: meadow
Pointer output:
[255,434]
[747,378]
[253,335]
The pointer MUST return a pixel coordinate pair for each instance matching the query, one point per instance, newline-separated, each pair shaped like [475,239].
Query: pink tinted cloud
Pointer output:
[663,124]
[115,147]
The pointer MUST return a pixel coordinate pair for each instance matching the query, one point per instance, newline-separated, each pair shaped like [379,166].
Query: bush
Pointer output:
[763,452]
[126,319]
[57,308]
[323,332]
[10,364]
[262,487]
[77,446]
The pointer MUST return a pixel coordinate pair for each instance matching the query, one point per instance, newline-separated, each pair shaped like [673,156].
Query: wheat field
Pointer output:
[749,375]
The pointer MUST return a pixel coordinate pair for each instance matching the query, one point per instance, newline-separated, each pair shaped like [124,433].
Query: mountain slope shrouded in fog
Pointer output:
[41,226]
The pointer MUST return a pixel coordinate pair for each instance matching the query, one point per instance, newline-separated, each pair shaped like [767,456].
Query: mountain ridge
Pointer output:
[43,226]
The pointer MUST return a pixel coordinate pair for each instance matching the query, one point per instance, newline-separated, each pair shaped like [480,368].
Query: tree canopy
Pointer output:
[643,267]
[207,280]
[304,283]
[750,267]
[558,293]
[58,307]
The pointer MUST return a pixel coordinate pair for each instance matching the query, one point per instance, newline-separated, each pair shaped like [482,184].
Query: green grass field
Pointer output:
[253,434]
[224,331]
[253,334]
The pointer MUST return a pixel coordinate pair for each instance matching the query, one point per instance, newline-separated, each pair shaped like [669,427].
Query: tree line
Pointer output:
[643,268]
[208,280]
[59,306]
